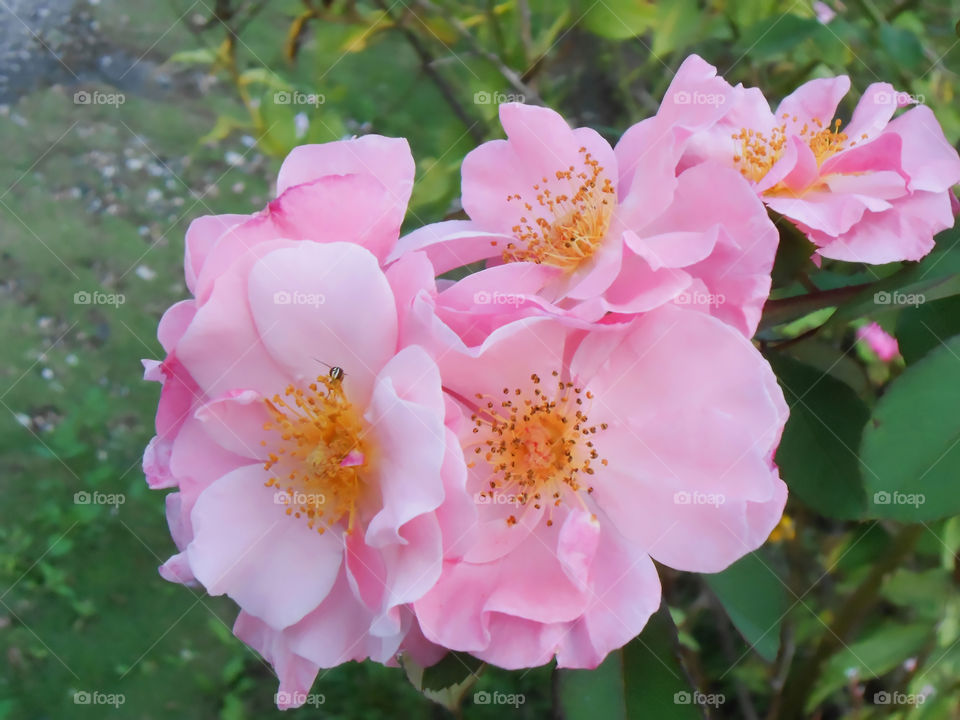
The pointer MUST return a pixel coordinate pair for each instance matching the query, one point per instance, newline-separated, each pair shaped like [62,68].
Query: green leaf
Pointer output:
[818,452]
[875,655]
[447,681]
[924,592]
[643,680]
[620,19]
[902,46]
[678,24]
[922,328]
[453,668]
[911,446]
[200,56]
[776,35]
[588,694]
[755,599]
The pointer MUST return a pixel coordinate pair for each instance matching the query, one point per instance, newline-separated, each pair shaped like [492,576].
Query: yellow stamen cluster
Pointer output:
[321,455]
[758,152]
[539,447]
[564,230]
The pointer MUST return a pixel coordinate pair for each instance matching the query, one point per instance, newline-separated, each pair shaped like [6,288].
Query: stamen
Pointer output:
[564,230]
[537,447]
[758,153]
[321,457]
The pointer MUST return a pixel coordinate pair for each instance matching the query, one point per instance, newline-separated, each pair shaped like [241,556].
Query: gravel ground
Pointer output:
[59,42]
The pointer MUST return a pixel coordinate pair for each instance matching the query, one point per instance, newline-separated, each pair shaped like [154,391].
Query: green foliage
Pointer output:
[911,445]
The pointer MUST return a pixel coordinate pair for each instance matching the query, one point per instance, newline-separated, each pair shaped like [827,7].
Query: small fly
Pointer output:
[336,373]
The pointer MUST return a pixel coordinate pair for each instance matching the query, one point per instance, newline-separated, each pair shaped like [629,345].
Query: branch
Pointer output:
[426,62]
[512,77]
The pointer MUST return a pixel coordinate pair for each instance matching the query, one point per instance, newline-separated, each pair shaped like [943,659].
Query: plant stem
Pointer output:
[800,683]
[426,62]
[776,312]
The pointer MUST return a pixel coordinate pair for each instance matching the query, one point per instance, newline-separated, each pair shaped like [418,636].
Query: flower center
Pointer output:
[539,447]
[758,152]
[321,455]
[564,229]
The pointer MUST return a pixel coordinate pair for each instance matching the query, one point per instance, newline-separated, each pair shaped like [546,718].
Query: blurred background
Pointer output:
[120,122]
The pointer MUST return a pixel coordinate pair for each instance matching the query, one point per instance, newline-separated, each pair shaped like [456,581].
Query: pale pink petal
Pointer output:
[295,673]
[245,545]
[384,158]
[815,99]
[202,235]
[329,304]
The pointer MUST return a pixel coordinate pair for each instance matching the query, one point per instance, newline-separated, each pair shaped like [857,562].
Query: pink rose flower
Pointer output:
[588,455]
[880,341]
[311,496]
[875,190]
[572,227]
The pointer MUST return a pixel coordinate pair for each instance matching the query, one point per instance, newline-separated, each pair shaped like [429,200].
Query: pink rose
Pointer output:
[310,496]
[875,190]
[588,455]
[572,227]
